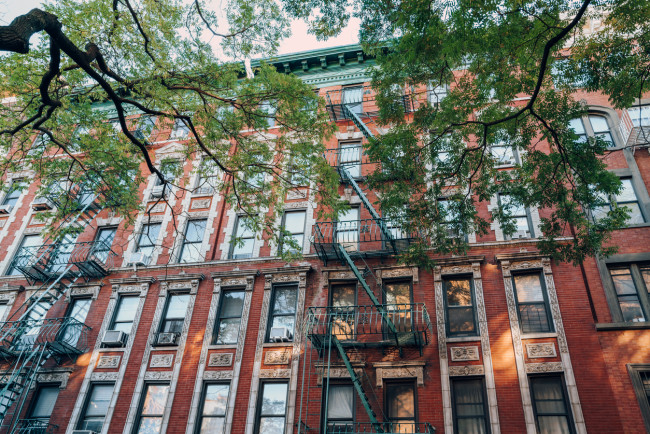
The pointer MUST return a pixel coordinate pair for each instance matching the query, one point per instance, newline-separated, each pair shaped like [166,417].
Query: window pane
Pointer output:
[149,235]
[284,321]
[216,399]
[534,318]
[294,222]
[271,425]
[577,126]
[45,401]
[627,193]
[99,399]
[550,406]
[631,308]
[243,249]
[150,425]
[640,116]
[635,214]
[274,399]
[468,397]
[228,332]
[645,273]
[212,425]
[598,124]
[177,306]
[398,293]
[127,308]
[343,295]
[623,281]
[155,399]
[459,292]
[233,303]
[529,288]
[285,300]
[340,402]
[401,401]
[461,320]
[194,231]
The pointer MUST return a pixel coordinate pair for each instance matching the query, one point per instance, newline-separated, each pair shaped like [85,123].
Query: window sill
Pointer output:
[538,335]
[638,225]
[112,349]
[277,344]
[157,347]
[222,347]
[464,339]
[604,327]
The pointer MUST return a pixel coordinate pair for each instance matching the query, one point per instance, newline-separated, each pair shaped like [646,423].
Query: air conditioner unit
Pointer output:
[114,338]
[280,334]
[42,204]
[157,191]
[138,258]
[521,234]
[5,209]
[166,338]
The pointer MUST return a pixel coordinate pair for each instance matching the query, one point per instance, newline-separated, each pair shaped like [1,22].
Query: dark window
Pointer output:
[175,312]
[631,284]
[350,158]
[398,300]
[460,304]
[127,306]
[550,405]
[12,196]
[152,409]
[532,303]
[192,240]
[640,376]
[293,222]
[339,412]
[147,239]
[520,215]
[103,242]
[627,198]
[96,407]
[468,405]
[28,247]
[230,310]
[282,312]
[271,408]
[213,408]
[242,243]
[401,407]
[43,403]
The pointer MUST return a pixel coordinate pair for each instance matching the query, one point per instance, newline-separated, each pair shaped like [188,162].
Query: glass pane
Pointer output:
[627,191]
[340,402]
[534,318]
[528,287]
[194,231]
[99,399]
[471,425]
[80,308]
[274,399]
[553,425]
[623,281]
[177,306]
[504,155]
[155,399]
[468,397]
[212,425]
[343,295]
[149,235]
[150,425]
[272,425]
[228,332]
[645,273]
[284,321]
[398,293]
[243,249]
[285,300]
[243,230]
[461,320]
[548,395]
[640,116]
[233,303]
[631,308]
[105,238]
[216,399]
[294,222]
[45,402]
[577,126]
[598,124]
[635,214]
[401,401]
[127,309]
[459,292]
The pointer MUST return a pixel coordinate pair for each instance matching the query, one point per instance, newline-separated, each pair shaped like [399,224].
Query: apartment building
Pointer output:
[137,329]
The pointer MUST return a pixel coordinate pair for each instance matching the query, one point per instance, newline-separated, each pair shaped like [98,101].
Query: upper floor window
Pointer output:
[39,146]
[96,407]
[208,179]
[470,412]
[213,408]
[450,217]
[293,223]
[352,97]
[192,240]
[173,317]
[631,284]
[625,198]
[282,313]
[144,127]
[12,196]
[350,158]
[520,215]
[550,405]
[147,240]
[28,247]
[268,109]
[340,408]
[75,319]
[401,406]
[180,130]
[80,134]
[640,376]
[127,307]
[229,322]
[347,229]
[460,306]
[437,93]
[243,241]
[43,404]
[593,126]
[168,169]
[152,409]
[4,308]
[532,303]
[272,408]
[640,115]
[103,242]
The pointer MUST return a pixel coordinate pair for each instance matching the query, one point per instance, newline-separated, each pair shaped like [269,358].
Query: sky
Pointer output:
[299,41]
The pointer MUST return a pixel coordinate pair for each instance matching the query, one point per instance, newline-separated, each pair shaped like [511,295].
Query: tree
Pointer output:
[508,69]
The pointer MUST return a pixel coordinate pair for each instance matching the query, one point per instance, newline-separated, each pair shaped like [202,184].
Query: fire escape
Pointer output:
[338,335]
[28,340]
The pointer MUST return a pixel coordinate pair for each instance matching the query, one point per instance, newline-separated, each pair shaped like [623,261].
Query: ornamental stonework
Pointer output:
[220,359]
[104,376]
[109,362]
[277,358]
[217,375]
[201,204]
[541,368]
[161,360]
[541,350]
[464,353]
[275,373]
[158,375]
[463,371]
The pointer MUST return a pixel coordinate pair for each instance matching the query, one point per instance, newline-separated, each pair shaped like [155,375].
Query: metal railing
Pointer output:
[386,427]
[88,259]
[366,325]
[63,336]
[362,100]
[34,426]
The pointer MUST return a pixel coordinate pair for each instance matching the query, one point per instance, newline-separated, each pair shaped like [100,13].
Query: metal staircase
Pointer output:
[28,340]
[334,332]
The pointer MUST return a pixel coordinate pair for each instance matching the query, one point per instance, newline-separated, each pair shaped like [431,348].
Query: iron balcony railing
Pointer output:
[88,259]
[62,336]
[367,326]
[361,100]
[34,426]
[381,427]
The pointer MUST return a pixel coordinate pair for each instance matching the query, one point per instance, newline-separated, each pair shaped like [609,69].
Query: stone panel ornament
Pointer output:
[109,362]
[220,359]
[161,360]
[464,353]
[464,371]
[277,358]
[541,350]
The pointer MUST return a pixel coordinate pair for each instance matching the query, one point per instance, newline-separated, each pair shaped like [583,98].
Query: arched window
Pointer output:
[593,125]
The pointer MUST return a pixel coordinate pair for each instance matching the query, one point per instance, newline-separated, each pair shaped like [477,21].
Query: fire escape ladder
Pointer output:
[357,121]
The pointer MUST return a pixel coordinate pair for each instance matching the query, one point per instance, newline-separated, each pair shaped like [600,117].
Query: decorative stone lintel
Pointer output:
[338,372]
[414,369]
[131,280]
[396,272]
[161,360]
[540,368]
[541,350]
[220,359]
[275,373]
[158,376]
[464,353]
[217,375]
[55,376]
[201,203]
[108,362]
[277,357]
[84,291]
[104,376]
[464,371]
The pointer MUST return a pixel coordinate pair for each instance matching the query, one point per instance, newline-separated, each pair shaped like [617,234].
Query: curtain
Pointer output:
[340,402]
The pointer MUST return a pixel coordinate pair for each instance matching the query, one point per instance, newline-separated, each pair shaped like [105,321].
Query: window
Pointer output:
[208,181]
[340,409]
[75,319]
[168,170]
[347,230]
[550,405]
[147,240]
[459,302]
[640,376]
[34,322]
[127,306]
[468,405]
[28,248]
[39,146]
[450,217]
[230,310]
[350,158]
[504,154]
[4,308]
[103,242]
[282,312]
[180,130]
[398,299]
[268,109]
[175,312]
[43,403]
[640,116]
[626,198]
[532,304]
[12,196]
[191,247]
[213,408]
[96,407]
[631,283]
[401,406]
[272,408]
[293,222]
[60,257]
[353,98]
[145,126]
[342,313]
[242,243]
[437,93]
[80,135]
[593,126]
[520,215]
[152,409]
[255,176]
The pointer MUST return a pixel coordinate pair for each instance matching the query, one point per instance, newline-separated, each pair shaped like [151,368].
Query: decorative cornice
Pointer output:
[456,260]
[518,256]
[234,273]
[287,270]
[131,280]
[182,277]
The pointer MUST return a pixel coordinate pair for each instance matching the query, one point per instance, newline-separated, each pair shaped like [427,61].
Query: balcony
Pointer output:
[366,326]
[42,263]
[381,427]
[34,426]
[63,337]
[360,239]
[361,100]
